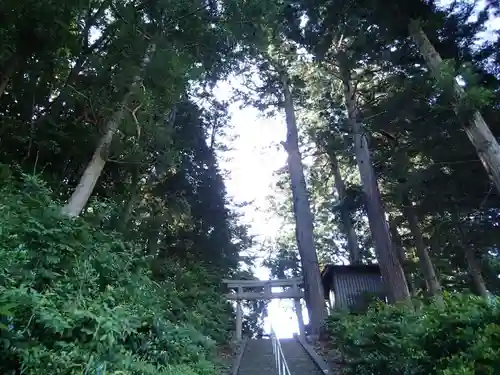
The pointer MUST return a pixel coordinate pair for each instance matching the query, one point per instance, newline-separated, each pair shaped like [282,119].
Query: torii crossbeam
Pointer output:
[262,290]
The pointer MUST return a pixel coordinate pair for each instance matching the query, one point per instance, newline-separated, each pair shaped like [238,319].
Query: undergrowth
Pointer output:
[463,338]
[76,299]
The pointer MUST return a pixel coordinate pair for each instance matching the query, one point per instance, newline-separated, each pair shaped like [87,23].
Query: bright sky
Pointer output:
[256,155]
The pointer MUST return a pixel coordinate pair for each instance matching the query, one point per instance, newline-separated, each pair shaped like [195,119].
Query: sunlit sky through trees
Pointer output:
[254,157]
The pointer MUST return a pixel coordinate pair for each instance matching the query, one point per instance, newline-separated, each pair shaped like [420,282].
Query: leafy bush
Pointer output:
[75,299]
[461,338]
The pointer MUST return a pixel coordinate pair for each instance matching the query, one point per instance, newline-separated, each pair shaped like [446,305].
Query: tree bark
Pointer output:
[396,239]
[88,180]
[129,206]
[473,265]
[56,105]
[400,251]
[477,130]
[303,218]
[156,222]
[7,74]
[390,267]
[426,266]
[475,272]
[347,226]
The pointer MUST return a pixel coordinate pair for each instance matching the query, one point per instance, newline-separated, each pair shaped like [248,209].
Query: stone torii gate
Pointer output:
[262,290]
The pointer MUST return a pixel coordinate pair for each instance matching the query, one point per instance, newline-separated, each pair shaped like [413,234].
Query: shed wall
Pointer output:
[349,286]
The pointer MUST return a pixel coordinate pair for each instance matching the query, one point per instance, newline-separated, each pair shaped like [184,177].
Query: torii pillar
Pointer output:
[294,293]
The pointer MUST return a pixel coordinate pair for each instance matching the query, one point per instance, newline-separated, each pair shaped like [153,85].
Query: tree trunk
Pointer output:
[396,239]
[347,226]
[215,127]
[85,187]
[390,267]
[57,104]
[400,251]
[156,222]
[475,272]
[473,265]
[426,266]
[7,74]
[477,130]
[129,206]
[303,218]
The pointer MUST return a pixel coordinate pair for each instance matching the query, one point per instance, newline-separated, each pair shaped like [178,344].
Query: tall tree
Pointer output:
[89,178]
[391,268]
[303,217]
[390,67]
[345,214]
[475,126]
[341,50]
[428,271]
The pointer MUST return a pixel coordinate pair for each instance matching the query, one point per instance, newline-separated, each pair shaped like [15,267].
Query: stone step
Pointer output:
[299,361]
[258,358]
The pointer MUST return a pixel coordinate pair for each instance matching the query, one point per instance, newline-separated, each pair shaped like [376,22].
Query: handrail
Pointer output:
[237,361]
[281,364]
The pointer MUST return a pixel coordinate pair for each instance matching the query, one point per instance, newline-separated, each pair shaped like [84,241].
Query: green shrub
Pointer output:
[461,338]
[75,299]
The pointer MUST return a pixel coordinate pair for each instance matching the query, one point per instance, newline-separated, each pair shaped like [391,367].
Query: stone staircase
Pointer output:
[258,358]
[299,361]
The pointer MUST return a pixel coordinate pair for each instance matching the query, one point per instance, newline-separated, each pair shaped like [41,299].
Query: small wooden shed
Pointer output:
[352,286]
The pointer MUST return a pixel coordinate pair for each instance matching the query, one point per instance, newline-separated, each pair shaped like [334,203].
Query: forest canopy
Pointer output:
[116,229]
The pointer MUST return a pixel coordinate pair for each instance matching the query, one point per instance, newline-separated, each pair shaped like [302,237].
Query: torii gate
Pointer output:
[265,293]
